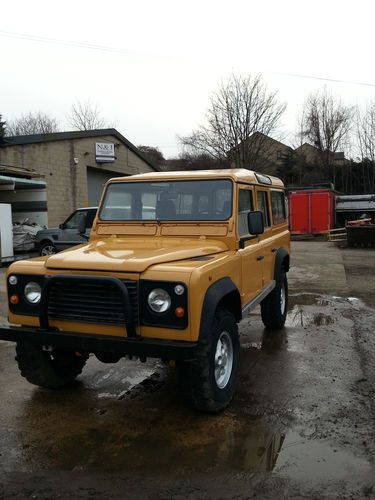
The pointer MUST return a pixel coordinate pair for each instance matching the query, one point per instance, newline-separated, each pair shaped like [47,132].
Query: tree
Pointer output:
[326,123]
[32,123]
[152,154]
[242,113]
[366,145]
[86,116]
[2,129]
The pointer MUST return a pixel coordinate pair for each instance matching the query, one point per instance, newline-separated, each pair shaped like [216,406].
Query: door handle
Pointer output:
[260,257]
[274,250]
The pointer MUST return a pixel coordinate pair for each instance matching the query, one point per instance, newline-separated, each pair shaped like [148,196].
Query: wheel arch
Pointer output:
[282,263]
[221,294]
[46,240]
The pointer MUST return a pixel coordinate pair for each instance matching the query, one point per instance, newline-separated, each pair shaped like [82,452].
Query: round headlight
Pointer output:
[159,300]
[12,280]
[33,292]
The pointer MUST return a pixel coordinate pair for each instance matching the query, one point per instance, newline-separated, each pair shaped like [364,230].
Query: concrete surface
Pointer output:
[301,424]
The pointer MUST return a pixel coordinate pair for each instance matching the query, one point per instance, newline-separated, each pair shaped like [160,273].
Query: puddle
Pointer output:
[308,460]
[199,445]
[310,299]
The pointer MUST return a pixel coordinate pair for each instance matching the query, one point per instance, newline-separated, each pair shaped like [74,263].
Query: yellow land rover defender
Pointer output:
[174,261]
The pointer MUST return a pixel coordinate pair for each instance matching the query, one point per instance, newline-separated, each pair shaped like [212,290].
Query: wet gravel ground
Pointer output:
[301,423]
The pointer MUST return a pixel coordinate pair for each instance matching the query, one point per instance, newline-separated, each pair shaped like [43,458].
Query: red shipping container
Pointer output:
[311,211]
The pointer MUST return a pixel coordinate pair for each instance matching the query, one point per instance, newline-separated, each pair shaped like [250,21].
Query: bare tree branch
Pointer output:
[86,116]
[32,123]
[365,128]
[326,123]
[240,108]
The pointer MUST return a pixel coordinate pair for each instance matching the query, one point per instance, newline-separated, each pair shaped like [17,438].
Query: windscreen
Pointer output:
[167,200]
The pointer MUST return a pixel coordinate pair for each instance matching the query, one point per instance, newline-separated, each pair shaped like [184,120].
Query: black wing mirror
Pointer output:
[255,222]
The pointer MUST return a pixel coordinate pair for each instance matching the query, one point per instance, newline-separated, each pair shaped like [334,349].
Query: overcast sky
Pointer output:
[157,62]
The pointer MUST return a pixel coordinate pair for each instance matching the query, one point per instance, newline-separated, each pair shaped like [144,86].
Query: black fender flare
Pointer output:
[214,294]
[281,256]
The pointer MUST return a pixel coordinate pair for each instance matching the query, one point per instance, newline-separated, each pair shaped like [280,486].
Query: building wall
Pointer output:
[66,181]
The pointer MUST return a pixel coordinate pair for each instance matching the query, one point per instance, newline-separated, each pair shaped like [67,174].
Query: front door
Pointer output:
[250,249]
[267,238]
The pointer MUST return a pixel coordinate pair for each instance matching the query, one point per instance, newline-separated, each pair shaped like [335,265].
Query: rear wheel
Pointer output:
[274,307]
[49,369]
[208,382]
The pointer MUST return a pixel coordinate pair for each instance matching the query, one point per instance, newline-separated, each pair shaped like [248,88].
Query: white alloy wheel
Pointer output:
[223,360]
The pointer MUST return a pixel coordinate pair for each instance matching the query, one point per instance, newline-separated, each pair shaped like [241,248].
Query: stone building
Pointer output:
[260,152]
[73,165]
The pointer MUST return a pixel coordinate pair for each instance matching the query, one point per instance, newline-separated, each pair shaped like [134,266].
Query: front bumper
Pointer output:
[133,346]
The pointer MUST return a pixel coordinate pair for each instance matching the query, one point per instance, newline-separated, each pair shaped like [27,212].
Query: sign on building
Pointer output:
[105,152]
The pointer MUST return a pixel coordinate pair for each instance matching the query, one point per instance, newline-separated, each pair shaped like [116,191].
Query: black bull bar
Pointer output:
[132,344]
[139,346]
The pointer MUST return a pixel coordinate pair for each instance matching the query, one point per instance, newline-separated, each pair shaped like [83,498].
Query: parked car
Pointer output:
[51,241]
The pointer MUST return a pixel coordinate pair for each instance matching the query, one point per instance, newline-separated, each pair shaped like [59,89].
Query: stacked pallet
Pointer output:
[337,235]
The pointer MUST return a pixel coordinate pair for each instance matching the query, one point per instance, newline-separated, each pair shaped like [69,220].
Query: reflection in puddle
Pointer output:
[304,316]
[305,310]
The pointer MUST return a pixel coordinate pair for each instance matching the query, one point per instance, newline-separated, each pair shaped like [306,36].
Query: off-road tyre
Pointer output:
[47,248]
[52,370]
[197,379]
[275,306]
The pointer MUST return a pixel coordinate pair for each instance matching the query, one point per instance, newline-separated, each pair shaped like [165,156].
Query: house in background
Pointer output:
[72,167]
[308,154]
[260,152]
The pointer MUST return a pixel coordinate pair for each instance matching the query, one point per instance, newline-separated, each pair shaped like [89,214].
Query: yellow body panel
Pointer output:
[197,254]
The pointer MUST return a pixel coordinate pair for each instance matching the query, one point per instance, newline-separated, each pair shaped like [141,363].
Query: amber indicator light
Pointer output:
[179,312]
[14,299]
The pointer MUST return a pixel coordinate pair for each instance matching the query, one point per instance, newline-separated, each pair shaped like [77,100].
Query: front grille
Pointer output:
[91,301]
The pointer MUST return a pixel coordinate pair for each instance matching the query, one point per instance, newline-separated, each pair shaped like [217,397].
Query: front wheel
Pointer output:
[49,369]
[208,382]
[274,307]
[47,248]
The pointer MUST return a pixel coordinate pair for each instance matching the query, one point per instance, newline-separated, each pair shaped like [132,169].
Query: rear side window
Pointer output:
[263,206]
[278,207]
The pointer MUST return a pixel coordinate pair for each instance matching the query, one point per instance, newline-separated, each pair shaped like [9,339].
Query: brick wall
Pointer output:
[67,182]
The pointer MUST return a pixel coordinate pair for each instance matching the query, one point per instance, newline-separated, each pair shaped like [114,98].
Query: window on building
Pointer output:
[278,207]
[262,201]
[244,207]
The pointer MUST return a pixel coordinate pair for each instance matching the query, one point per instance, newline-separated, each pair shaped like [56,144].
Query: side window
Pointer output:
[263,206]
[244,207]
[278,207]
[73,221]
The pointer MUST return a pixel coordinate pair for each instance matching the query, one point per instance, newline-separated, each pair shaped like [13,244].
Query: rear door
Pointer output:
[320,212]
[299,213]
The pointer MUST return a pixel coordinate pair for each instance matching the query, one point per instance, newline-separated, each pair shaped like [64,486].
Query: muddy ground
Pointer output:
[301,423]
